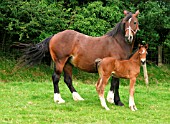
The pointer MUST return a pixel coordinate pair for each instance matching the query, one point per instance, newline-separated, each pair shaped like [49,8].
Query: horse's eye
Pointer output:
[135,23]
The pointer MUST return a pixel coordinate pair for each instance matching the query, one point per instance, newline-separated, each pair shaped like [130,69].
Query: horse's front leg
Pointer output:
[131,94]
[113,94]
[68,81]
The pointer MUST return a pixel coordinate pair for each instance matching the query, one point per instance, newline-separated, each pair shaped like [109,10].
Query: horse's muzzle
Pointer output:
[129,39]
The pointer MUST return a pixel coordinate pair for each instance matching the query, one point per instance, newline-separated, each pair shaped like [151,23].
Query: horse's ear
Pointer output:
[136,13]
[125,12]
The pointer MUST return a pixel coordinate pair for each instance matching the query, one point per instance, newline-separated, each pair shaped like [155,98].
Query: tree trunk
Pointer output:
[159,55]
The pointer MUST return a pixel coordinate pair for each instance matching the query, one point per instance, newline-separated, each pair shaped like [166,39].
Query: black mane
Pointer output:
[119,28]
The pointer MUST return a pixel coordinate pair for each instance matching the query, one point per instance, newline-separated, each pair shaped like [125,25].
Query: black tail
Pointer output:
[34,54]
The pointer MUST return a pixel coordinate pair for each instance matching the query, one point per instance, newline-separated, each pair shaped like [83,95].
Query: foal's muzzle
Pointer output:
[143,61]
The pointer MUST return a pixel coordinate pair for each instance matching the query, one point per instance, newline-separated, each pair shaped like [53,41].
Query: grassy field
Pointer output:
[26,96]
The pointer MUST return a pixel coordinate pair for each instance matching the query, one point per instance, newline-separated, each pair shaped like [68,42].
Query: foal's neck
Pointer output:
[135,58]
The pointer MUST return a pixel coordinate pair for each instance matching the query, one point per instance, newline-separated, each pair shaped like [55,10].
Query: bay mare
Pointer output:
[70,48]
[128,69]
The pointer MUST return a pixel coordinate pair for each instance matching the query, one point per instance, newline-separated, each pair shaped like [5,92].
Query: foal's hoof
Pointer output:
[107,109]
[133,108]
[119,103]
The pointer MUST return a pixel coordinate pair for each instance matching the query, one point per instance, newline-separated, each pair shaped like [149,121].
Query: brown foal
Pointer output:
[128,69]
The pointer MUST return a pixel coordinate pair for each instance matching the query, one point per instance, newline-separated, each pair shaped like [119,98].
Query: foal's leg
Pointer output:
[131,96]
[56,78]
[68,81]
[100,86]
[114,92]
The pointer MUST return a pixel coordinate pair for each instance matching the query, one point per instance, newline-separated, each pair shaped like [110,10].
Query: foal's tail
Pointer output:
[97,61]
[34,54]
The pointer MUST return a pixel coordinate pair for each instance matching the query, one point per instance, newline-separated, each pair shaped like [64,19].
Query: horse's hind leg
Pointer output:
[56,78]
[59,64]
[114,92]
[68,81]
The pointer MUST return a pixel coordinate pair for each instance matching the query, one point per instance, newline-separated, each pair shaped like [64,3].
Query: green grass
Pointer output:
[26,96]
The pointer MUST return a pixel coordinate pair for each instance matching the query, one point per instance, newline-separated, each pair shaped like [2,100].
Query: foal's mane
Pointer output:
[133,52]
[119,28]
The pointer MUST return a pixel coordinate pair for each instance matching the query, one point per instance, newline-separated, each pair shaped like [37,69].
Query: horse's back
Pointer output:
[82,49]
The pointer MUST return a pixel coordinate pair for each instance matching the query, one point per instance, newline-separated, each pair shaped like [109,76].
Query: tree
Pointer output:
[32,21]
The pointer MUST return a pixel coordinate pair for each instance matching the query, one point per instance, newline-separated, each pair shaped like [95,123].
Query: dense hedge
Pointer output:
[30,21]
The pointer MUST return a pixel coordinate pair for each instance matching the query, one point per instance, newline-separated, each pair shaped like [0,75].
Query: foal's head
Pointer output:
[142,53]
[131,25]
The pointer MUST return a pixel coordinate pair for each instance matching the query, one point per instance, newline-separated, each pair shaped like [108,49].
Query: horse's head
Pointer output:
[131,25]
[142,53]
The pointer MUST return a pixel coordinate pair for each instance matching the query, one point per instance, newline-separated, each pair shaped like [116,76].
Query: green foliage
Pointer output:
[32,21]
[154,21]
[95,19]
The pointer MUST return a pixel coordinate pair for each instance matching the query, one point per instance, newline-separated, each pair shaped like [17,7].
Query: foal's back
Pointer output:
[118,68]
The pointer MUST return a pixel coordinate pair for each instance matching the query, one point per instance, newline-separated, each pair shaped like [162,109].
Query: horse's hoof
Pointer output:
[58,99]
[110,100]
[61,101]
[110,97]
[119,103]
[77,97]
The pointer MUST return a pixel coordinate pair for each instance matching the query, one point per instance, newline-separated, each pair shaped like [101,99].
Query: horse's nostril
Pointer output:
[131,38]
[126,38]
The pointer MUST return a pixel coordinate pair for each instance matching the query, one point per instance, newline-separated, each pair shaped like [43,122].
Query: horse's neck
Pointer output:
[126,47]
[135,58]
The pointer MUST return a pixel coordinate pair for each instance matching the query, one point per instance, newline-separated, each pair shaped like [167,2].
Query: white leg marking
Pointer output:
[58,99]
[103,103]
[110,97]
[76,96]
[132,103]
[145,73]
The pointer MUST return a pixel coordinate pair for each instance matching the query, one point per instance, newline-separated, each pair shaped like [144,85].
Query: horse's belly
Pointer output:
[83,64]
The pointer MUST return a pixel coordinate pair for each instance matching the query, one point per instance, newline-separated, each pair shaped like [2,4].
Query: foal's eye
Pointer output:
[135,23]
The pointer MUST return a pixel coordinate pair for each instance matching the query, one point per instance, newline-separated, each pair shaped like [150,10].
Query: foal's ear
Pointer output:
[146,46]
[139,46]
[136,13]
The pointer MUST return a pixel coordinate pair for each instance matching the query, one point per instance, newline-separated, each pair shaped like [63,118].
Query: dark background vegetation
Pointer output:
[30,21]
